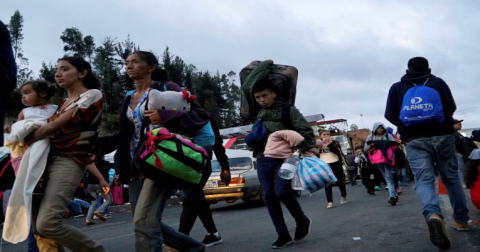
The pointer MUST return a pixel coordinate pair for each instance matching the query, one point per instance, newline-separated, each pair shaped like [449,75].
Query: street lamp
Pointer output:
[361,117]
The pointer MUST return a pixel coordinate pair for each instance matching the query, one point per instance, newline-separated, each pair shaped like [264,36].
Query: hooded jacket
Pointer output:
[395,100]
[374,137]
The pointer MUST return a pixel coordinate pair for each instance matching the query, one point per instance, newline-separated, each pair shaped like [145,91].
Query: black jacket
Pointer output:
[394,105]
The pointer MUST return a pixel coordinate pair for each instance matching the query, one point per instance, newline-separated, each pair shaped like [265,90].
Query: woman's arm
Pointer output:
[50,128]
[92,169]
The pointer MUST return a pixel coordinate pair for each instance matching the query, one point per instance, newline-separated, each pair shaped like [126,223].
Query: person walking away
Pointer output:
[95,189]
[8,71]
[333,157]
[464,146]
[430,145]
[367,170]
[351,168]
[275,188]
[400,165]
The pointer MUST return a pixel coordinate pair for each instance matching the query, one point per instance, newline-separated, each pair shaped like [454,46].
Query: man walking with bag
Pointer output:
[421,105]
[275,188]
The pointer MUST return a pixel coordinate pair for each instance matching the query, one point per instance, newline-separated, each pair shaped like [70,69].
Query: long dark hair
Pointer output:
[158,74]
[90,81]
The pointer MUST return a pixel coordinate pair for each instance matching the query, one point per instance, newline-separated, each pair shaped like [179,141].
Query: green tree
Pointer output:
[107,69]
[16,32]
[124,49]
[76,44]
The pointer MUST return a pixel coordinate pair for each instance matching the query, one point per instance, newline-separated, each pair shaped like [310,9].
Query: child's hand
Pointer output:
[7,128]
[154,116]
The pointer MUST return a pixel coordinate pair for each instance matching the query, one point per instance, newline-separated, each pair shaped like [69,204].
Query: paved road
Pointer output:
[247,227]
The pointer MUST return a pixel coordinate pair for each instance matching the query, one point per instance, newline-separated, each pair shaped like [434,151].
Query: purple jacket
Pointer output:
[179,122]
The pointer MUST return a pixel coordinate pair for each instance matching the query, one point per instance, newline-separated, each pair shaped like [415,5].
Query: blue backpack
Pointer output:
[421,105]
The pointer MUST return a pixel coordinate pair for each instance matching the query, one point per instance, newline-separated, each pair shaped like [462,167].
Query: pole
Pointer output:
[361,117]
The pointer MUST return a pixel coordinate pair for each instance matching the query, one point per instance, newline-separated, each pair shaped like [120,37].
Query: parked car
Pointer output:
[244,185]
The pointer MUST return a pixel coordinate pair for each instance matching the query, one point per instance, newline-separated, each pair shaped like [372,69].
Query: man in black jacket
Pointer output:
[430,146]
[8,71]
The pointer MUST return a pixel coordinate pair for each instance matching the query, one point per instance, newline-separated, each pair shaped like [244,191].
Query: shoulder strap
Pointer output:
[5,167]
[287,122]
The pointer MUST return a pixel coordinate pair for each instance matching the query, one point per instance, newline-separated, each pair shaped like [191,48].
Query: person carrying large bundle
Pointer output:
[260,90]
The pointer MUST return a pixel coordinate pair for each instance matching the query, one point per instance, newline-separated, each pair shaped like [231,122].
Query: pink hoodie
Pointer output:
[280,144]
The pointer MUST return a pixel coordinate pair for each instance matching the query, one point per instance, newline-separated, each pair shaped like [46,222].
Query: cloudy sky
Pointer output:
[348,53]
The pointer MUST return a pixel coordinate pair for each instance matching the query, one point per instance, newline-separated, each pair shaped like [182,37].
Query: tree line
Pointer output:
[217,93]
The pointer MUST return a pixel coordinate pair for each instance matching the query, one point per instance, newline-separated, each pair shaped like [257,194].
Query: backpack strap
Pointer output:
[423,83]
[5,167]
[287,122]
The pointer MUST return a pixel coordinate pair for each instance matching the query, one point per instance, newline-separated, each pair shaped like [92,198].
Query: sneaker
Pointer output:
[108,216]
[377,188]
[282,242]
[438,234]
[330,205]
[343,200]
[405,184]
[212,239]
[100,216]
[302,230]
[89,223]
[460,227]
[393,201]
[399,191]
[78,215]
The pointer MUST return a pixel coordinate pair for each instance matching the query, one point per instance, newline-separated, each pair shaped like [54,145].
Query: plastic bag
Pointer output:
[315,174]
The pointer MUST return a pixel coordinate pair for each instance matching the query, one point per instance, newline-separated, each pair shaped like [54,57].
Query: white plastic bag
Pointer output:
[315,174]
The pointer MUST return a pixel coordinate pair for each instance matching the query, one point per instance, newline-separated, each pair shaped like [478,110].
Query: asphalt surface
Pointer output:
[365,223]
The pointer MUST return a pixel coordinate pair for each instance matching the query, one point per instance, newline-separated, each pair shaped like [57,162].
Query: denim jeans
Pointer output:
[424,154]
[96,189]
[32,242]
[387,172]
[147,200]
[277,189]
[402,172]
[77,205]
[461,167]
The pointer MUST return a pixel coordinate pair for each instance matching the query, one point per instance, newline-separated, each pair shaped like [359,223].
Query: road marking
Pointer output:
[116,237]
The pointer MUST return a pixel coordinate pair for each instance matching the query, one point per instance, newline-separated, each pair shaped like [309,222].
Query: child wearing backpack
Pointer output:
[275,188]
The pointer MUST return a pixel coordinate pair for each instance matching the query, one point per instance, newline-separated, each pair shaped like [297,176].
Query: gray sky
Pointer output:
[348,53]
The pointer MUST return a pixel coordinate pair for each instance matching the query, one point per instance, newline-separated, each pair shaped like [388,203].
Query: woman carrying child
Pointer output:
[73,131]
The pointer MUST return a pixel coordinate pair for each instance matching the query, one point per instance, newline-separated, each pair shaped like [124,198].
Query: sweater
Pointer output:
[280,144]
[395,100]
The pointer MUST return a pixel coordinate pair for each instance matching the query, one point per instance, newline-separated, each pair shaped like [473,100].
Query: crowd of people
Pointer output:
[68,134]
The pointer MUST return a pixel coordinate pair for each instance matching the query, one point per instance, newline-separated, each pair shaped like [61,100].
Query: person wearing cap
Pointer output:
[430,147]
